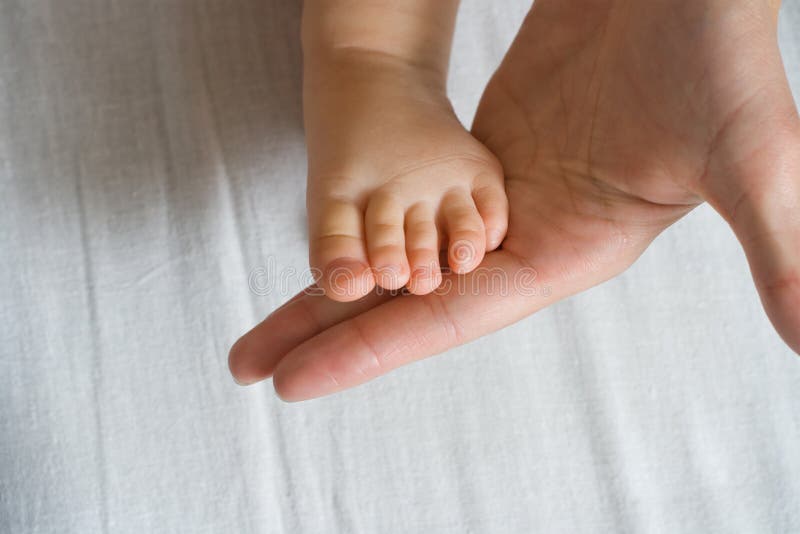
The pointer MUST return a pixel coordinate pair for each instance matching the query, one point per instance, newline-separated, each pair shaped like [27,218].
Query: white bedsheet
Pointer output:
[152,158]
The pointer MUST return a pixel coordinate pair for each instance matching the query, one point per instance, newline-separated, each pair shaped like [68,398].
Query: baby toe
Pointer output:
[465,231]
[492,204]
[386,242]
[422,248]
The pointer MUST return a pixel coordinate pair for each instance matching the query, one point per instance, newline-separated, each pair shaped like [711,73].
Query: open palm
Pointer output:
[612,120]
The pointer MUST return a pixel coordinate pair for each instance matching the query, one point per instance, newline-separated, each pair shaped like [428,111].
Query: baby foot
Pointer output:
[393,179]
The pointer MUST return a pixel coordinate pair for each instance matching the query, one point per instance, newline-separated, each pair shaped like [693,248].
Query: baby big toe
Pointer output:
[337,253]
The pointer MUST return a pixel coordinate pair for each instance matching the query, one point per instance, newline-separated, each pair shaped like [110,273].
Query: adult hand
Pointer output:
[612,120]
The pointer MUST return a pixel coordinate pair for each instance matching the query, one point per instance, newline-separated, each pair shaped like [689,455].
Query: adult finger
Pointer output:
[254,356]
[405,329]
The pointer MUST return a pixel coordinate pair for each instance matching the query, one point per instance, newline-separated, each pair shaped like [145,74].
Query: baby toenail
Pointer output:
[495,237]
[389,273]
[463,253]
[421,272]
[344,277]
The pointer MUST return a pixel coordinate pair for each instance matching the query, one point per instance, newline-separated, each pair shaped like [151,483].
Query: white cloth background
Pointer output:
[151,157]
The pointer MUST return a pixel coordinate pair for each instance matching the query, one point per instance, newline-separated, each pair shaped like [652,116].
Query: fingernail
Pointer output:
[242,382]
